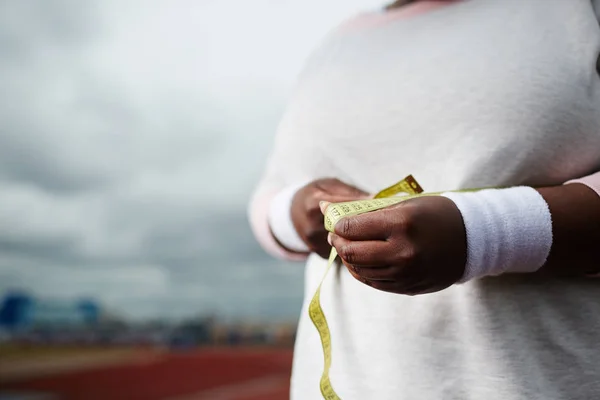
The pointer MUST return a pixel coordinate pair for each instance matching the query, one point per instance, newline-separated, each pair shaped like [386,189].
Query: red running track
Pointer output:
[220,374]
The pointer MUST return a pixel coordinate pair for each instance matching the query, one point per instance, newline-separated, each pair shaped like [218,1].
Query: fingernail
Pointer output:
[323,206]
[329,239]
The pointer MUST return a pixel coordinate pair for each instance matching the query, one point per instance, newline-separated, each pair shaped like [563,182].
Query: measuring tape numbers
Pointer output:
[333,214]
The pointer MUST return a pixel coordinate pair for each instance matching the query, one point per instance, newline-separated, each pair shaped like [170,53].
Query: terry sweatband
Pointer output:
[280,220]
[508,230]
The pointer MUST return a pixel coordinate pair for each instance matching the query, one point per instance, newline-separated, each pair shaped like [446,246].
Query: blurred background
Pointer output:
[132,134]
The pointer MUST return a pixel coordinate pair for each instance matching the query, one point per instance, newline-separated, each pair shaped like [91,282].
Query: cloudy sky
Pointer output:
[131,136]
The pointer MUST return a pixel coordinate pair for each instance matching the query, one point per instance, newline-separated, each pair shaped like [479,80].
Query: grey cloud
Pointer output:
[56,249]
[41,45]
[127,180]
[33,25]
[22,161]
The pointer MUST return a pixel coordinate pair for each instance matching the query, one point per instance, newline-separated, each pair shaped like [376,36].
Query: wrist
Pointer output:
[508,230]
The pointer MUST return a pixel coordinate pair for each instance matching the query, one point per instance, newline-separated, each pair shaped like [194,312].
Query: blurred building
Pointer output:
[28,320]
[23,311]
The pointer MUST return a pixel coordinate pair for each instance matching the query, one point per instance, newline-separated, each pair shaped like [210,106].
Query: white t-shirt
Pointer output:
[472,94]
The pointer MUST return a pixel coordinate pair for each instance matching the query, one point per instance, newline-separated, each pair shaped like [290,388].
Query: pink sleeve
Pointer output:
[259,221]
[375,19]
[593,182]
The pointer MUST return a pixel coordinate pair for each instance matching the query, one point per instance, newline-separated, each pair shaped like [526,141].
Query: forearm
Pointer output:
[532,230]
[575,211]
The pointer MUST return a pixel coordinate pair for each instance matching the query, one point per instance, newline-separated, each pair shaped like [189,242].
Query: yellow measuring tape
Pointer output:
[333,214]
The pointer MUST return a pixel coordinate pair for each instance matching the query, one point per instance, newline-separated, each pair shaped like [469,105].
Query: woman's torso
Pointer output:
[477,93]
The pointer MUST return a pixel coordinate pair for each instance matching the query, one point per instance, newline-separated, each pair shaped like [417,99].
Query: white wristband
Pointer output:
[508,230]
[280,220]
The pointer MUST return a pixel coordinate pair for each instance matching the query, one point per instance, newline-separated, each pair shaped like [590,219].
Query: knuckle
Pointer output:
[409,252]
[316,182]
[404,219]
[347,253]
[311,200]
[407,213]
[346,226]
[331,181]
[324,183]
[407,259]
[304,193]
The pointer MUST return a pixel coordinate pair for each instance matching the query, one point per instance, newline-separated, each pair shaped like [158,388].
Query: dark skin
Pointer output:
[419,246]
[306,214]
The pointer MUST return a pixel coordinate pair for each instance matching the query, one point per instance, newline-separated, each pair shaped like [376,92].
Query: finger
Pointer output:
[375,225]
[399,288]
[392,287]
[323,206]
[362,279]
[372,252]
[371,273]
